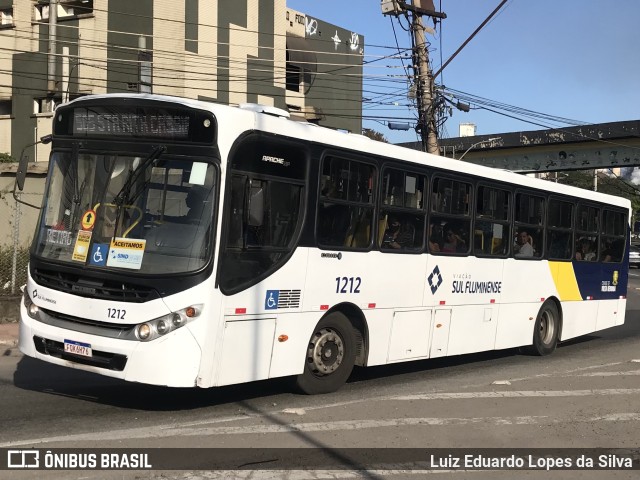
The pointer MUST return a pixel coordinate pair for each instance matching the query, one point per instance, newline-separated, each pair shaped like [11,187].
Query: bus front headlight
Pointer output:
[143,331]
[163,326]
[159,327]
[32,309]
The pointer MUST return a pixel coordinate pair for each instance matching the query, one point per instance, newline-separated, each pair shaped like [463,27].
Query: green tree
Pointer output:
[614,185]
[610,184]
[575,178]
[373,135]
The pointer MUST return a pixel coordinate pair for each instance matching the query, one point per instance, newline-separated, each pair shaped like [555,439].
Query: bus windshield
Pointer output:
[140,214]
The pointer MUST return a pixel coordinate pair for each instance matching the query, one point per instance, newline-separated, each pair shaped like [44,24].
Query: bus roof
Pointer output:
[272,122]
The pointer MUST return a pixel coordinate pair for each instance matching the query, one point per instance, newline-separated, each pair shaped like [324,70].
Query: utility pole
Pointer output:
[51,50]
[425,91]
[65,74]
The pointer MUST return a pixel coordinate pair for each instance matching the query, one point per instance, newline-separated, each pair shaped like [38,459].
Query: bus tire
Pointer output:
[330,356]
[546,330]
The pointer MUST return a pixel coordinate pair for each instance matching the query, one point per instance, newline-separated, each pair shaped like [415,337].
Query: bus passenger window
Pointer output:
[345,205]
[560,230]
[614,235]
[529,218]
[588,245]
[450,200]
[492,229]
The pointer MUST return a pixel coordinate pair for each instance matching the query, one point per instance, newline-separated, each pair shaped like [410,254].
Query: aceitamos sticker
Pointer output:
[126,253]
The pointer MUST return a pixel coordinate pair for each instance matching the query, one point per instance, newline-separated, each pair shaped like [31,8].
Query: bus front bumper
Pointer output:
[172,361]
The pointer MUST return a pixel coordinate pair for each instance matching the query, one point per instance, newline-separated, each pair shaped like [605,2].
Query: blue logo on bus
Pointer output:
[271,300]
[99,254]
[435,279]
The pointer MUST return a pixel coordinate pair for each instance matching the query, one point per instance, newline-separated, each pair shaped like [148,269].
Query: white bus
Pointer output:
[184,243]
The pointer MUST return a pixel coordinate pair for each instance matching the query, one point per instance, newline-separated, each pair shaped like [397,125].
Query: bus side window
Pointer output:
[614,236]
[492,226]
[560,229]
[529,218]
[345,205]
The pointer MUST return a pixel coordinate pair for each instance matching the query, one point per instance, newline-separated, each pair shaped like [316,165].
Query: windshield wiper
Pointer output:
[122,197]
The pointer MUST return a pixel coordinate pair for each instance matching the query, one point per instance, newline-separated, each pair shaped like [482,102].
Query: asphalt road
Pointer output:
[583,396]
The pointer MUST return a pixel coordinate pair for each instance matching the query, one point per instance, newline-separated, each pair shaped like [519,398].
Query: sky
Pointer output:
[575,59]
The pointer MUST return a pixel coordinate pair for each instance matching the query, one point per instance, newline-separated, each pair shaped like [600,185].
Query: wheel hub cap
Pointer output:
[326,352]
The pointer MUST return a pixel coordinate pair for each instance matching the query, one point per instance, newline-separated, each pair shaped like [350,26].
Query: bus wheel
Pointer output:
[546,330]
[330,356]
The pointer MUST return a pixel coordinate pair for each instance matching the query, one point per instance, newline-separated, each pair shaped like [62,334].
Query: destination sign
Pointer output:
[117,119]
[131,124]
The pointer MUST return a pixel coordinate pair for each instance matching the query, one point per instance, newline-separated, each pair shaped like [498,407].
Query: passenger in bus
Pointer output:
[398,235]
[524,245]
[329,189]
[613,251]
[559,246]
[585,251]
[453,242]
[435,238]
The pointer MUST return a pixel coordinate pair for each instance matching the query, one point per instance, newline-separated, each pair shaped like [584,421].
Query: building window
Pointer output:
[301,65]
[5,107]
[145,72]
[67,9]
[293,78]
[6,17]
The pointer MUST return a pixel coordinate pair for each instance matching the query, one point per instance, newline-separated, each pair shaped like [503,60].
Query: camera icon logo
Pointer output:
[23,459]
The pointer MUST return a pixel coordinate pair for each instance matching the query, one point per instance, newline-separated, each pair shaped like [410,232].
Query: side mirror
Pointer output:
[21,173]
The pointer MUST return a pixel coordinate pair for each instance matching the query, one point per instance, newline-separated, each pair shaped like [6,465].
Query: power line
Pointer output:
[372,84]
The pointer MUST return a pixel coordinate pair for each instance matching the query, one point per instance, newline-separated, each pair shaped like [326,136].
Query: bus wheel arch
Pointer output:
[547,329]
[360,329]
[335,346]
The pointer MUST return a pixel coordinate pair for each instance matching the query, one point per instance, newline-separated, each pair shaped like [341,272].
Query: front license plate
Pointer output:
[77,348]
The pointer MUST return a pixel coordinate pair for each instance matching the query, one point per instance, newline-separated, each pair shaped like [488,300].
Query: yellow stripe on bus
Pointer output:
[565,279]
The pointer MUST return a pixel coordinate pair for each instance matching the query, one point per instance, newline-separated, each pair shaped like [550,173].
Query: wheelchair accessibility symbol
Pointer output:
[99,254]
[271,299]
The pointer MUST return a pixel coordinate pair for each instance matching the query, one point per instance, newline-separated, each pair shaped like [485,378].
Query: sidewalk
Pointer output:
[8,338]
[9,314]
